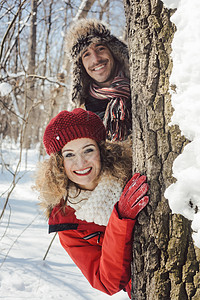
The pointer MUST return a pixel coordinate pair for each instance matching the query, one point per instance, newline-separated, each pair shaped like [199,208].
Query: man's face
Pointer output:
[99,64]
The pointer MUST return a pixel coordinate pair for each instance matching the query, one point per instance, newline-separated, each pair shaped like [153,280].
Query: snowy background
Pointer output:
[24,235]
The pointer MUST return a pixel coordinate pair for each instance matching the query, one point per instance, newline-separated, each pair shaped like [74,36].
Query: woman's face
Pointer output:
[82,162]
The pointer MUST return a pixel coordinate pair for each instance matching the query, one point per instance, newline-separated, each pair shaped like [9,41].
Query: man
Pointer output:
[100,78]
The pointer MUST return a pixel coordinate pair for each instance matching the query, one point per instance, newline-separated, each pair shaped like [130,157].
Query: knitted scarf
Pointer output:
[117,118]
[97,205]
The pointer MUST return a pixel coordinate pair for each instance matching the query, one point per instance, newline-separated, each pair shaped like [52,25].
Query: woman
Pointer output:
[81,188]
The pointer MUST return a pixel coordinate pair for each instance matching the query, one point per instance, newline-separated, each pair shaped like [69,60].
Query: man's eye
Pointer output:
[101,48]
[85,54]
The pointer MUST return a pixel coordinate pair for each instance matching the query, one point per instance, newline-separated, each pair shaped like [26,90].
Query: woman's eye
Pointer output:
[68,155]
[89,150]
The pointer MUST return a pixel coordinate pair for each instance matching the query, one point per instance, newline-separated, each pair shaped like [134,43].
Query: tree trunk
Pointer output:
[165,261]
[84,9]
[30,92]
[48,26]
[104,8]
[32,45]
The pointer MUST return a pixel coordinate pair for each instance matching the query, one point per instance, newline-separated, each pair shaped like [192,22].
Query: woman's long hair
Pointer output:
[52,182]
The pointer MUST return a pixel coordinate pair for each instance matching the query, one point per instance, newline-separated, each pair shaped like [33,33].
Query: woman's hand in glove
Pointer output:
[133,198]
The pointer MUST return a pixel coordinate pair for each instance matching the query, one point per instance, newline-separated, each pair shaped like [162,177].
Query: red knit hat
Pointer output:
[68,126]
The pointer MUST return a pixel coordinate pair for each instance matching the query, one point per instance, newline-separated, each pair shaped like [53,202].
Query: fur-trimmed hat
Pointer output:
[82,34]
[68,126]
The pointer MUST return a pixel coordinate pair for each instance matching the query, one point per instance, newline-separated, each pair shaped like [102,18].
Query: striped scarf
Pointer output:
[117,118]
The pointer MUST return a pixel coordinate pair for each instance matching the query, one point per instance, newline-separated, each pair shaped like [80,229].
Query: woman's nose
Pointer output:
[80,161]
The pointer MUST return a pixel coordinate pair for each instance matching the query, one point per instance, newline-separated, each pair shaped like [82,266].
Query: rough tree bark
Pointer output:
[165,261]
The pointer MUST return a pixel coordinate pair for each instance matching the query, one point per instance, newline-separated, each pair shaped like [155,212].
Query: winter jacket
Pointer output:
[102,253]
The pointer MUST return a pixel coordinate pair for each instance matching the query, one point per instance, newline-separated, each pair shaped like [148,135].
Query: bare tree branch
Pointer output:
[49,246]
[17,239]
[9,28]
[6,57]
[48,79]
[14,113]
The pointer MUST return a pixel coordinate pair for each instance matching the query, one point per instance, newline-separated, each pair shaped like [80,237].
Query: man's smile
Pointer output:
[99,66]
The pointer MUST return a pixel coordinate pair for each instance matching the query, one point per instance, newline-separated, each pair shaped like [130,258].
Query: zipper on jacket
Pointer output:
[90,236]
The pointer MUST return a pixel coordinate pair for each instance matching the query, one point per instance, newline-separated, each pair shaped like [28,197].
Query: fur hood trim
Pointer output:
[79,37]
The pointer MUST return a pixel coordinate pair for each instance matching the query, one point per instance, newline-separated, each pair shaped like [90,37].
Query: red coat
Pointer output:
[103,254]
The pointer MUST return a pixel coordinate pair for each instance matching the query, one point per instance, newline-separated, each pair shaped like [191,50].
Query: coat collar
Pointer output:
[96,206]
[60,221]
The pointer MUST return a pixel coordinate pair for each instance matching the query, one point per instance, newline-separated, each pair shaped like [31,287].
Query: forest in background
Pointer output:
[35,74]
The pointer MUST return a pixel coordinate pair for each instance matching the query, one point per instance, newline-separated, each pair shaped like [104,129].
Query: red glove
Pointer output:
[132,201]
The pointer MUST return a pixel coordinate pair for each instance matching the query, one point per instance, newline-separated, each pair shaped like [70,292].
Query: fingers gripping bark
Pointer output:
[133,198]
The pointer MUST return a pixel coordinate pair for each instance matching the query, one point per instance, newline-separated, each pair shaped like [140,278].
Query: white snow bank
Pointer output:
[184,195]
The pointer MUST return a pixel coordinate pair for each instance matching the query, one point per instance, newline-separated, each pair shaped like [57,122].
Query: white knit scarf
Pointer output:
[96,206]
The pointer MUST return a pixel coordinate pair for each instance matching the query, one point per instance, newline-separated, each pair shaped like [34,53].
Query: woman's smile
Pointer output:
[83,172]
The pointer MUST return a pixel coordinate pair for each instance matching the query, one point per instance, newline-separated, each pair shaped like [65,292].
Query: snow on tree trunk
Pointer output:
[165,261]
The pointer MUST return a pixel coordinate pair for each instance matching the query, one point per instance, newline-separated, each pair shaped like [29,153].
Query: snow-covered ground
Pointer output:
[24,240]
